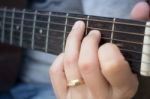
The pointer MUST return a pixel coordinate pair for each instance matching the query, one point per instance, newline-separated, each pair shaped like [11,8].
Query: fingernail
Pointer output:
[77,25]
[95,32]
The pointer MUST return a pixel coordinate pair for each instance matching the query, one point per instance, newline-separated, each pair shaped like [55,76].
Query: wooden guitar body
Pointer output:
[9,56]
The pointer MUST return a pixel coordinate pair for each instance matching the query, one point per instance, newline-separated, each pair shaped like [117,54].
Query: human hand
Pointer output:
[105,72]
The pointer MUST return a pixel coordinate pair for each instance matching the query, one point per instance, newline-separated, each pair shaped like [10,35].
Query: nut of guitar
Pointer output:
[145,61]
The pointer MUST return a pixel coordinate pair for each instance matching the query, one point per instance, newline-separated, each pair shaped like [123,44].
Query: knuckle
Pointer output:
[70,60]
[86,67]
[112,65]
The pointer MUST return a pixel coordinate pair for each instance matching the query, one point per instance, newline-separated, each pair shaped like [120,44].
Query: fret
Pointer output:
[132,57]
[104,24]
[41,31]
[112,33]
[21,30]
[17,27]
[3,27]
[128,37]
[65,31]
[72,18]
[33,31]
[47,33]
[55,17]
[55,38]
[12,26]
[55,42]
[128,27]
[28,28]
[87,25]
[129,46]
[8,26]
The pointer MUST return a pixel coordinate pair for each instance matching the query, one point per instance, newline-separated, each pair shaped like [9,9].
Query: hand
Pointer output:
[105,72]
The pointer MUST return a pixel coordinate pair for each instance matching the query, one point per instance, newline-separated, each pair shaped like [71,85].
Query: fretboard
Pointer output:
[47,31]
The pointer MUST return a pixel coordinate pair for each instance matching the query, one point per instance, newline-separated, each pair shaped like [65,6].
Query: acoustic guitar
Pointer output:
[47,31]
[9,55]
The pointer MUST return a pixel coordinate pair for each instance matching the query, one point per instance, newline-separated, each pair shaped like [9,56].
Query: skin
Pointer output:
[106,73]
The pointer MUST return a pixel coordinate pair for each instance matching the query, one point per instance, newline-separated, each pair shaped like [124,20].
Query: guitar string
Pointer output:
[127,59]
[117,22]
[127,41]
[125,32]
[132,60]
[73,17]
[120,31]
[44,36]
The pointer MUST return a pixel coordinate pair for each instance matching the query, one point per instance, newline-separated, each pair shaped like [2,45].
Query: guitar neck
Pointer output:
[47,31]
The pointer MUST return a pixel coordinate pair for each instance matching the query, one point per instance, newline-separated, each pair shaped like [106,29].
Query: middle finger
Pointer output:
[72,50]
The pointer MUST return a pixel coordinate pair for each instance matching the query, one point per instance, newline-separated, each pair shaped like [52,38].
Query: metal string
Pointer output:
[54,37]
[125,32]
[125,41]
[72,17]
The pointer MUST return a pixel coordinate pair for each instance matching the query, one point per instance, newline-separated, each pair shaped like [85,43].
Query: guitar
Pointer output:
[47,31]
[10,55]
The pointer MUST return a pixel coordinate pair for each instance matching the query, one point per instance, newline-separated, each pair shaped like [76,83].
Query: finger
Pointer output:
[116,69]
[58,78]
[140,11]
[89,65]
[72,51]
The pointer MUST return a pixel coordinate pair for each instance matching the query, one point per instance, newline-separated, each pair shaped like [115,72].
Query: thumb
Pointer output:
[140,11]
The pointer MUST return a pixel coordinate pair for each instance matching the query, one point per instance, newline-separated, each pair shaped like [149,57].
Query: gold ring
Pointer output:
[76,82]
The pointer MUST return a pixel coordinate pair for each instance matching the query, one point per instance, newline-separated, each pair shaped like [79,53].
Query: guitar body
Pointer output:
[9,56]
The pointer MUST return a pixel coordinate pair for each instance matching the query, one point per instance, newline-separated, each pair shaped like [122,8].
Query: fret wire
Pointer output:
[139,34]
[3,27]
[33,32]
[68,32]
[21,30]
[87,24]
[140,43]
[128,58]
[47,34]
[131,33]
[12,24]
[121,32]
[113,28]
[121,23]
[65,31]
[102,38]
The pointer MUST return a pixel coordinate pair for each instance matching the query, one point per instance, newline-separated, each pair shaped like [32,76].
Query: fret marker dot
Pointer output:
[40,31]
[17,27]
